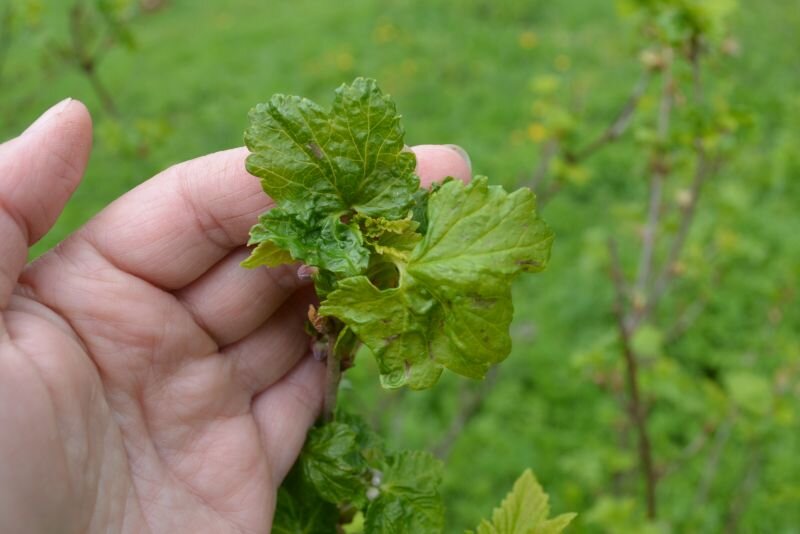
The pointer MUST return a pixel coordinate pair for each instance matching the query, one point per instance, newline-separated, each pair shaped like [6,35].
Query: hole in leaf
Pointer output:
[383,275]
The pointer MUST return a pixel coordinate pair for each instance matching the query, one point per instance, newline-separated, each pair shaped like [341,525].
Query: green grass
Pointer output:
[460,74]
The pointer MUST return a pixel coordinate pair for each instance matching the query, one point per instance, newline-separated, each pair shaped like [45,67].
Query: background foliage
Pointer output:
[720,361]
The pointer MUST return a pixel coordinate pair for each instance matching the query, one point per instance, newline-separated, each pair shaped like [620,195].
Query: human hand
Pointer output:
[147,382]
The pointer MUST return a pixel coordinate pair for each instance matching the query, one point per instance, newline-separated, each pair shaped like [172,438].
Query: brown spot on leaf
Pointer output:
[482,302]
[316,150]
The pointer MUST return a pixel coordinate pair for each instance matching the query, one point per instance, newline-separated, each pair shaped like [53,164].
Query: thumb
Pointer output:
[39,170]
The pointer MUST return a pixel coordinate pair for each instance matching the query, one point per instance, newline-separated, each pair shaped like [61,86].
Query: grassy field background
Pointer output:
[467,73]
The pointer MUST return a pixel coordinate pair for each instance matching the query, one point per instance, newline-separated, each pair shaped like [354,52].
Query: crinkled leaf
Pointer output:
[369,444]
[300,510]
[320,167]
[422,278]
[394,240]
[396,247]
[324,242]
[333,464]
[419,212]
[376,227]
[269,254]
[395,324]
[452,307]
[408,499]
[349,158]
[477,233]
[344,462]
[524,511]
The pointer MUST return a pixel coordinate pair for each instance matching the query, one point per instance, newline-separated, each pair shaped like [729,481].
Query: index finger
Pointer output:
[174,227]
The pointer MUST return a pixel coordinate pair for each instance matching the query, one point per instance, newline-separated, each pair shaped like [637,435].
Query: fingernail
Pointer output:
[319,350]
[48,115]
[463,153]
[304,272]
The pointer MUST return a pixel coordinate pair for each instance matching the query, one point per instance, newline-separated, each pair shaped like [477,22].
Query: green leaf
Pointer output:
[394,325]
[369,444]
[349,158]
[393,240]
[346,344]
[333,464]
[422,278]
[452,307]
[324,242]
[419,212]
[525,510]
[344,463]
[300,510]
[321,167]
[478,232]
[267,253]
[407,499]
[356,526]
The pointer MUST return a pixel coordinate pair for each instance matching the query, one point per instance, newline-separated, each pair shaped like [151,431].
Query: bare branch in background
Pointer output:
[552,149]
[705,167]
[635,406]
[685,320]
[659,172]
[703,171]
[621,121]
[634,304]
[543,197]
[87,61]
[546,154]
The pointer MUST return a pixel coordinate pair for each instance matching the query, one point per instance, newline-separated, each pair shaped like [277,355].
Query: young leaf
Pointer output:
[422,278]
[269,254]
[452,307]
[369,443]
[333,464]
[407,499]
[392,240]
[525,510]
[322,167]
[351,158]
[300,510]
[344,463]
[323,242]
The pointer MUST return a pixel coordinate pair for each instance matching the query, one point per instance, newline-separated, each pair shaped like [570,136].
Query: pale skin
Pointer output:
[147,382]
